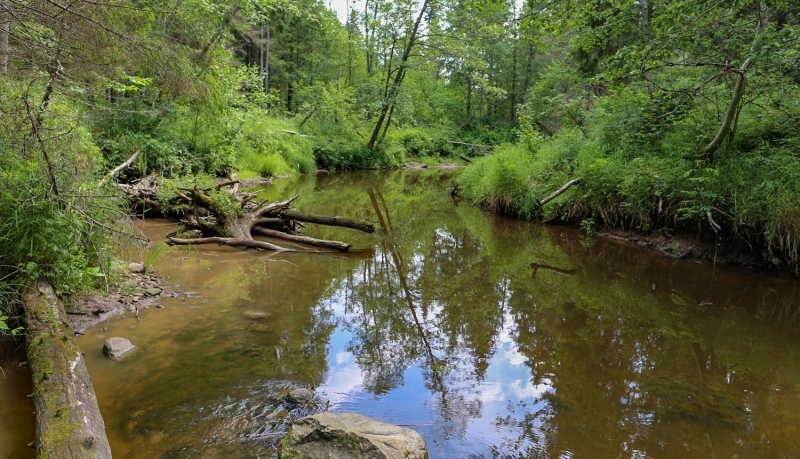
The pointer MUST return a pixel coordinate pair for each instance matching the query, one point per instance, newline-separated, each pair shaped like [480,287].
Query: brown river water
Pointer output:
[490,336]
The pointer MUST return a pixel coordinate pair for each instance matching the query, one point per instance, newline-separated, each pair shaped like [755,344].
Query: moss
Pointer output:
[49,352]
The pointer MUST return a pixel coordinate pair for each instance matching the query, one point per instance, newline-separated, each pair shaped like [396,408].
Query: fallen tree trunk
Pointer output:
[354,223]
[68,421]
[235,242]
[341,246]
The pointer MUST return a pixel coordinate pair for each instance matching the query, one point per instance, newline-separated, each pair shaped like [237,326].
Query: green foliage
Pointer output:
[333,156]
[643,175]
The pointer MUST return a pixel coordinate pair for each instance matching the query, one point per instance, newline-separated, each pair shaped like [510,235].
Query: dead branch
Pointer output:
[354,223]
[341,246]
[558,193]
[115,172]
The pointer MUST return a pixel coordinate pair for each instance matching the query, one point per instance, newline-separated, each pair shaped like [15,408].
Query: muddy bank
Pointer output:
[692,247]
[138,292]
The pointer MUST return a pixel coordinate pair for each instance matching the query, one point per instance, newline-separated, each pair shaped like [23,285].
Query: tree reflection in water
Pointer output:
[625,353]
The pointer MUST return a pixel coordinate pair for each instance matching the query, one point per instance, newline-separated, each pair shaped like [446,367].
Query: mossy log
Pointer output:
[68,421]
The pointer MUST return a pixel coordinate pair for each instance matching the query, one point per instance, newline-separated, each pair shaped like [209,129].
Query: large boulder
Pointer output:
[115,347]
[350,436]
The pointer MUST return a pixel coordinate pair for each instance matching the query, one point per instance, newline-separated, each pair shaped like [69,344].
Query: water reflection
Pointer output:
[491,337]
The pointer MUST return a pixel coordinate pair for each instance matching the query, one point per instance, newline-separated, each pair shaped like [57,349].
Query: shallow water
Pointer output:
[17,424]
[490,336]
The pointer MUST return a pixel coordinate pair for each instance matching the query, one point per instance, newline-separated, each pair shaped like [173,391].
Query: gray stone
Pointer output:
[260,328]
[153,291]
[137,268]
[350,436]
[256,315]
[160,306]
[300,396]
[115,347]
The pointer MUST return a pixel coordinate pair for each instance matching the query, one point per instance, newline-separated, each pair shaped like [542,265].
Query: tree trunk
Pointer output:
[389,101]
[68,420]
[738,90]
[5,23]
[514,70]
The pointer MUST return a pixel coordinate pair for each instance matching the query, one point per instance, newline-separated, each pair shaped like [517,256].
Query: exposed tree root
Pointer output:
[231,217]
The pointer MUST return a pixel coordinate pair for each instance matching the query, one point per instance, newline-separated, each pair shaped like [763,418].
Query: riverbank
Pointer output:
[140,291]
[741,208]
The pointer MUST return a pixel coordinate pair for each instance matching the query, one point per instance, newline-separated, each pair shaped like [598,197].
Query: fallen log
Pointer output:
[341,246]
[234,242]
[68,421]
[354,223]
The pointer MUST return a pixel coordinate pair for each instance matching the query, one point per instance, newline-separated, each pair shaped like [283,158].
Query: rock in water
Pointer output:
[256,315]
[115,347]
[350,436]
[137,268]
[153,291]
[300,396]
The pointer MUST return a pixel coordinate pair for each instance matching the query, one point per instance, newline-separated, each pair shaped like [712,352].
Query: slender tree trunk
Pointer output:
[738,90]
[514,67]
[389,102]
[514,84]
[266,62]
[5,22]
[528,68]
[469,98]
[349,48]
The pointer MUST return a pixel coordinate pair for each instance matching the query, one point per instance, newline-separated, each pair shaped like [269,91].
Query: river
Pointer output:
[490,336]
